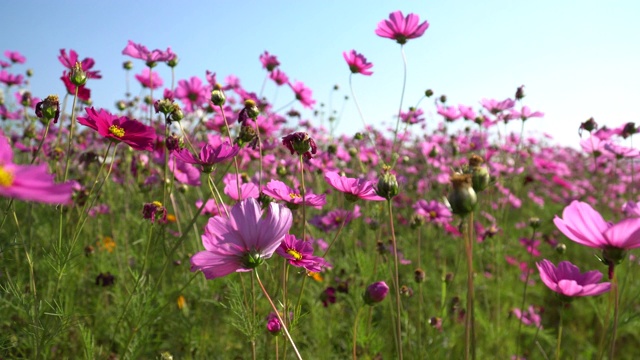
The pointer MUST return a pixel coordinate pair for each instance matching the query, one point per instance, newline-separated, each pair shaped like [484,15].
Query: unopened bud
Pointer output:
[419,275]
[443,99]
[375,293]
[173,62]
[358,136]
[49,108]
[127,65]
[217,96]
[462,197]
[387,184]
[252,109]
[29,72]
[479,173]
[561,248]
[520,93]
[534,222]
[428,93]
[77,76]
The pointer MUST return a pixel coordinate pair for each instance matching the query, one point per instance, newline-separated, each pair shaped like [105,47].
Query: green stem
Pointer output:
[397,281]
[559,334]
[404,85]
[355,334]
[469,318]
[616,306]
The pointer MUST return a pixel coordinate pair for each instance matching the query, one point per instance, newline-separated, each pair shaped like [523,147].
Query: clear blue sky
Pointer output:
[577,59]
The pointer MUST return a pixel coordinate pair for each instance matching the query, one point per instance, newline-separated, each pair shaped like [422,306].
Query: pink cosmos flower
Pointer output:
[334,218]
[269,62]
[243,241]
[582,224]
[467,112]
[209,155]
[357,63]
[29,182]
[10,79]
[84,93]
[15,57]
[247,190]
[567,279]
[184,173]
[354,189]
[138,51]
[300,254]
[303,94]
[69,61]
[280,191]
[192,93]
[413,116]
[279,77]
[143,78]
[495,107]
[448,112]
[131,132]
[433,211]
[529,317]
[400,28]
[631,209]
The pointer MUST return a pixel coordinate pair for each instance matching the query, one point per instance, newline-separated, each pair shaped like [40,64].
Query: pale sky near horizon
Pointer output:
[577,59]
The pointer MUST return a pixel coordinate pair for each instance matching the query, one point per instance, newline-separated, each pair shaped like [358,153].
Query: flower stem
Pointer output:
[559,334]
[275,309]
[397,281]
[469,317]
[404,84]
[616,305]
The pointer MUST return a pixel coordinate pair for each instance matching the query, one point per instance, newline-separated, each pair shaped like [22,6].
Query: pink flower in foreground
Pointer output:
[131,132]
[401,28]
[303,94]
[353,189]
[143,78]
[357,63]
[269,62]
[567,279]
[582,224]
[15,57]
[141,52]
[247,190]
[300,254]
[243,241]
[280,191]
[69,61]
[29,182]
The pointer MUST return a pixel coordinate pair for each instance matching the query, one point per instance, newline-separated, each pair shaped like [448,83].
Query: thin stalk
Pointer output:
[275,309]
[616,306]
[524,291]
[396,280]
[559,334]
[469,330]
[304,201]
[404,85]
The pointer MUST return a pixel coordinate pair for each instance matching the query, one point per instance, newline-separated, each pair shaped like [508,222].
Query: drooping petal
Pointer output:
[625,234]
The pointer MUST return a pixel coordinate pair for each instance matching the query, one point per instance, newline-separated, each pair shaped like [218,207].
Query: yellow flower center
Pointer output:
[294,196]
[157,203]
[181,302]
[296,255]
[6,178]
[116,130]
[432,214]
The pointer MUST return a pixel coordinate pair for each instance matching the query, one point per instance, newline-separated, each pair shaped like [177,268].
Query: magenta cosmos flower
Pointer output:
[138,51]
[433,211]
[303,94]
[280,191]
[131,132]
[243,241]
[15,57]
[401,28]
[269,62]
[567,279]
[144,79]
[375,293]
[300,143]
[69,61]
[582,224]
[192,93]
[29,182]
[357,63]
[353,189]
[209,155]
[300,254]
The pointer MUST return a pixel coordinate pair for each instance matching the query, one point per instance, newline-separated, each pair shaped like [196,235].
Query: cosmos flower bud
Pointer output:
[479,173]
[164,106]
[25,99]
[127,65]
[252,109]
[300,143]
[419,275]
[121,105]
[462,197]
[443,98]
[561,248]
[588,125]
[246,136]
[428,93]
[520,93]
[375,293]
[406,291]
[353,151]
[173,143]
[77,76]
[173,62]
[534,222]
[358,136]
[29,72]
[176,114]
[49,109]
[387,184]
[217,96]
